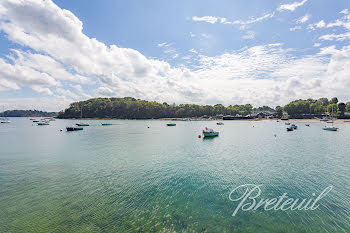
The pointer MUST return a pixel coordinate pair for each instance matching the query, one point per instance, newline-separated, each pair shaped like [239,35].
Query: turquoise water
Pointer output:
[130,178]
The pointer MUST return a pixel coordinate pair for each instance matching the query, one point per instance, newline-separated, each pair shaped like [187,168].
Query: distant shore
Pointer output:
[216,119]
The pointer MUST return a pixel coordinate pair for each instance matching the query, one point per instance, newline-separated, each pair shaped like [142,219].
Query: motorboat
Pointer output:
[44,123]
[220,123]
[171,124]
[74,128]
[210,133]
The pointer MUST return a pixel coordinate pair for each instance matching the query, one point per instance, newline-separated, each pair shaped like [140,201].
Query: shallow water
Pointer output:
[130,178]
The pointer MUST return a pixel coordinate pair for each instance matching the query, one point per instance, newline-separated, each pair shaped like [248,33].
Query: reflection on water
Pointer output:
[127,177]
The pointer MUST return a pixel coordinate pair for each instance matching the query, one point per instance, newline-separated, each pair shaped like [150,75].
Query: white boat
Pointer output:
[294,126]
[287,123]
[331,128]
[325,119]
[210,133]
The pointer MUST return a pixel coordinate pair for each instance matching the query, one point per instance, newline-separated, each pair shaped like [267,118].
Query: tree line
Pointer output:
[131,108]
[319,106]
[28,113]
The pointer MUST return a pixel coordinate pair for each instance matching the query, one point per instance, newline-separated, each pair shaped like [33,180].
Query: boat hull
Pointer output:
[210,134]
[74,128]
[171,124]
[330,128]
[82,124]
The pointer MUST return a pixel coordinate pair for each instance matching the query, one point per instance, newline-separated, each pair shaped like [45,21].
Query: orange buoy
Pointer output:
[199,136]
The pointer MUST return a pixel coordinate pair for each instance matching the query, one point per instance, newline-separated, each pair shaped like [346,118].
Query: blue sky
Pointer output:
[205,52]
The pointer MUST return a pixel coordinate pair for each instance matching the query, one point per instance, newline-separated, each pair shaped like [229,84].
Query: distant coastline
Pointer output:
[28,113]
[131,108]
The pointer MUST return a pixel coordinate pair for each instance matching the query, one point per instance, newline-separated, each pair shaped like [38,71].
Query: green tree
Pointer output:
[348,107]
[279,111]
[334,100]
[332,108]
[342,108]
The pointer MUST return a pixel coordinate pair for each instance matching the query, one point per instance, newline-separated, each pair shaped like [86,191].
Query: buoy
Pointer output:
[199,136]
[148,127]
[60,130]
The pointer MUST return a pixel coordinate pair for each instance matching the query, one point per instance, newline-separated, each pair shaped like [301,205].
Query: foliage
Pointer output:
[347,107]
[131,108]
[311,106]
[279,111]
[28,113]
[342,108]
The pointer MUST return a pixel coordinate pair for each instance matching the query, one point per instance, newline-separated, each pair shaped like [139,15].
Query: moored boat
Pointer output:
[330,128]
[210,133]
[74,128]
[220,123]
[105,124]
[44,123]
[290,128]
[171,124]
[294,126]
[82,124]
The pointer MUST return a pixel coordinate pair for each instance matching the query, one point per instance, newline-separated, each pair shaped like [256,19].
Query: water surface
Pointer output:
[131,178]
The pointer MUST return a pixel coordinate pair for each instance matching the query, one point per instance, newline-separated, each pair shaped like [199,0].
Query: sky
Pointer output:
[262,52]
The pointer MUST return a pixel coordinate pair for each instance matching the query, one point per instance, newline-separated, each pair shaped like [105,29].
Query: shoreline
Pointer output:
[215,119]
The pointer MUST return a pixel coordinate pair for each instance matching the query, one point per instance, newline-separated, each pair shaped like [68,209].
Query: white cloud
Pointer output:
[345,12]
[295,28]
[23,75]
[317,44]
[249,35]
[292,6]
[42,90]
[304,19]
[213,19]
[208,19]
[336,37]
[67,93]
[193,51]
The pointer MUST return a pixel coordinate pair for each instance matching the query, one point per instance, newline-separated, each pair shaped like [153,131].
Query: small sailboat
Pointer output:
[294,126]
[105,124]
[81,117]
[74,128]
[171,124]
[331,128]
[210,132]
